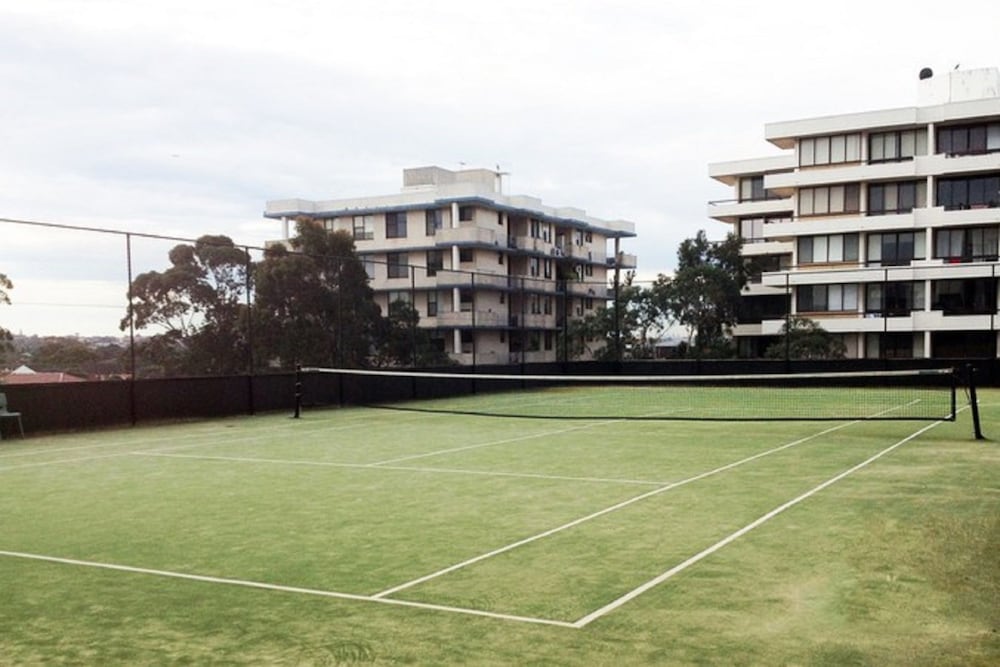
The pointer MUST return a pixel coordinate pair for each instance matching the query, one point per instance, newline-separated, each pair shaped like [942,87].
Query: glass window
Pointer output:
[364,227]
[806,198]
[853,148]
[807,152]
[823,150]
[395,225]
[432,221]
[805,250]
[838,149]
[398,265]
[836,248]
[820,249]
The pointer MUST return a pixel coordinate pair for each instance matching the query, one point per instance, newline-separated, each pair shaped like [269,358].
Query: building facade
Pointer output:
[495,277]
[881,226]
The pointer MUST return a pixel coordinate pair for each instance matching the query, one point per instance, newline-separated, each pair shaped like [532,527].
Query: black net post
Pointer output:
[974,402]
[298,391]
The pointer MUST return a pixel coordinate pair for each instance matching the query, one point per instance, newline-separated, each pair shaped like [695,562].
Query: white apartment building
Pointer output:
[882,226]
[496,277]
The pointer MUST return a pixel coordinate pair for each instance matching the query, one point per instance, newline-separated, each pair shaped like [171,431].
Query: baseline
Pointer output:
[283,589]
[636,592]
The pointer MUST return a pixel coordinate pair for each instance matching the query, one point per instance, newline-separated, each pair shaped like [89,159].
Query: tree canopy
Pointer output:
[199,305]
[704,293]
[314,305]
[5,335]
[803,338]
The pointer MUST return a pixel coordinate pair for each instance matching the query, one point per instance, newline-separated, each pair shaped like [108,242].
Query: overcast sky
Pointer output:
[184,117]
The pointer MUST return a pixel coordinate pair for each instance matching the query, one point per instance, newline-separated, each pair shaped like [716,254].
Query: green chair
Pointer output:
[7,414]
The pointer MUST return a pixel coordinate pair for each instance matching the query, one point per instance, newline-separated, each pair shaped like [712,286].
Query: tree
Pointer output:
[313,304]
[704,293]
[199,303]
[803,338]
[5,336]
[631,321]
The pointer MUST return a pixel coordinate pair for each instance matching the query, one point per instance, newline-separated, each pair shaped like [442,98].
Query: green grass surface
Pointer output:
[895,563]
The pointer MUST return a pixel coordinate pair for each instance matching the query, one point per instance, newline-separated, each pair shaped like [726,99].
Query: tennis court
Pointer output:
[391,518]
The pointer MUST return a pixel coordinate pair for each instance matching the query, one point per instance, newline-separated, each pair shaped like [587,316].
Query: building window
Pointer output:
[533,266]
[395,225]
[828,249]
[895,299]
[435,262]
[432,304]
[835,149]
[826,298]
[969,139]
[963,193]
[830,200]
[896,248]
[466,255]
[432,221]
[896,146]
[397,296]
[466,213]
[975,244]
[970,296]
[903,197]
[364,227]
[369,264]
[547,305]
[752,189]
[889,346]
[398,264]
[547,268]
[465,300]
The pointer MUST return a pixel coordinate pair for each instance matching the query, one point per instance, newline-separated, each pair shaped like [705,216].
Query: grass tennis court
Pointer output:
[363,535]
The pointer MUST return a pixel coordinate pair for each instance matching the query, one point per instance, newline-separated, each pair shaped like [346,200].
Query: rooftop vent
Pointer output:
[926,73]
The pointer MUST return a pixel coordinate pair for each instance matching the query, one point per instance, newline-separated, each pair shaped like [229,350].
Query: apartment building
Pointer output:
[882,226]
[495,277]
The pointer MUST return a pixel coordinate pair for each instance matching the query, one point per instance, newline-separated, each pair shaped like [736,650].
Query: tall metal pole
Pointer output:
[250,360]
[131,331]
[618,314]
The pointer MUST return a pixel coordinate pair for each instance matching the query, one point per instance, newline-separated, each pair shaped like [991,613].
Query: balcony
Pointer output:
[478,236]
[472,318]
[451,278]
[731,210]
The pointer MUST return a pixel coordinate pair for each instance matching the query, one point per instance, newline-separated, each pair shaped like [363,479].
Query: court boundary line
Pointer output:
[578,624]
[759,521]
[599,513]
[283,589]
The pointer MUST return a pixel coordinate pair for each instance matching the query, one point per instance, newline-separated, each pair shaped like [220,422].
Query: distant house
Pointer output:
[25,375]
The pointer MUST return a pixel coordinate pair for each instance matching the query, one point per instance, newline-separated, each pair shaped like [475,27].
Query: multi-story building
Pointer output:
[495,277]
[882,226]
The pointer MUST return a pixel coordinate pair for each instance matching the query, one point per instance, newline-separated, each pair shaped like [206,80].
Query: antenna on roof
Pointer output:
[500,174]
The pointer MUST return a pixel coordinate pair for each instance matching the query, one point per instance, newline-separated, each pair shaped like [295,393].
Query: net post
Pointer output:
[298,391]
[974,402]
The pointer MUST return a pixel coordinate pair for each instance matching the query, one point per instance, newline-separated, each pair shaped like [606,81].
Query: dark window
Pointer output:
[894,298]
[969,139]
[466,213]
[971,192]
[895,248]
[435,262]
[465,254]
[432,218]
[398,265]
[970,296]
[395,225]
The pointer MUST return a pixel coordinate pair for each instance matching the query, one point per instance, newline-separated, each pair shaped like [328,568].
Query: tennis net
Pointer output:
[880,395]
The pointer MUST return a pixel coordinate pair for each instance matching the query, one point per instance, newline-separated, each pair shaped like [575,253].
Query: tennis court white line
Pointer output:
[636,592]
[283,589]
[492,443]
[39,464]
[367,466]
[602,512]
